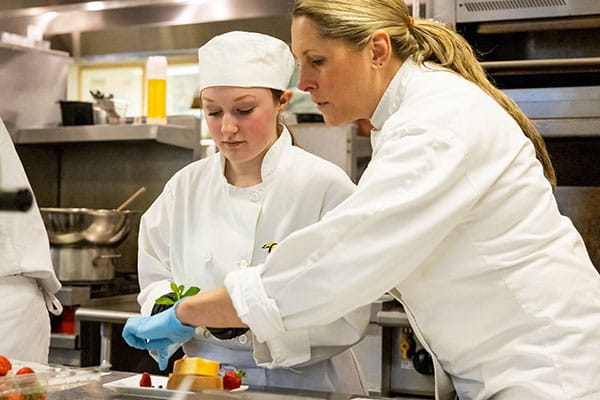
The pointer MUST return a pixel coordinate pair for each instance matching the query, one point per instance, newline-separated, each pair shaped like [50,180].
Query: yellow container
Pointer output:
[156,76]
[157,98]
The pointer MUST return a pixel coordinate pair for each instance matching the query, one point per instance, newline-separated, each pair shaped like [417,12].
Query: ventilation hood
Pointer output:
[501,10]
[95,28]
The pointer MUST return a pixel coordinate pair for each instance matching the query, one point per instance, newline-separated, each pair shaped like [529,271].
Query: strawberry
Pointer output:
[25,370]
[146,380]
[5,366]
[233,379]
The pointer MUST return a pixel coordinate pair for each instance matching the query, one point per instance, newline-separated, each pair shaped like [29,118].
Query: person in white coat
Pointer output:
[455,216]
[27,279]
[228,211]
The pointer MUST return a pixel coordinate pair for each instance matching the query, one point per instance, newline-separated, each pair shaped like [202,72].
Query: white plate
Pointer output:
[131,386]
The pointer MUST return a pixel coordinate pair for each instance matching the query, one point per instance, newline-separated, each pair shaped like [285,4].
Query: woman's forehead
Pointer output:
[307,38]
[233,93]
[305,35]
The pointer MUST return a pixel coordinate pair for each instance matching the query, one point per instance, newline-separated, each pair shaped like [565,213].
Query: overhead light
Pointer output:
[95,6]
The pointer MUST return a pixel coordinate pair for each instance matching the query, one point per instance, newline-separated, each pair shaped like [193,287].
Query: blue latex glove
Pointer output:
[157,333]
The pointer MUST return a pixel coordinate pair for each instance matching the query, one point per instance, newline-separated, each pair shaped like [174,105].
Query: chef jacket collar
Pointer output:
[391,100]
[272,158]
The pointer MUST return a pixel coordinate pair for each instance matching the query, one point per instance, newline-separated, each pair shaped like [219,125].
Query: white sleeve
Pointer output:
[414,192]
[306,346]
[154,269]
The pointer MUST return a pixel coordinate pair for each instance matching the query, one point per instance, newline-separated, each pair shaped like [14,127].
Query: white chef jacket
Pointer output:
[201,227]
[27,278]
[454,216]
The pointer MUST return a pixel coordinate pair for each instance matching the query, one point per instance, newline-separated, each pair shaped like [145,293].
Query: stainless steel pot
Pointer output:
[85,226]
[84,264]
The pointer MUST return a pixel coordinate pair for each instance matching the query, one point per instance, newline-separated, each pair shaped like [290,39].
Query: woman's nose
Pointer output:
[229,124]
[305,82]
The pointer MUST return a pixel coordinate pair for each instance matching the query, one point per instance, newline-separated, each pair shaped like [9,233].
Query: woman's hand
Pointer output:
[157,333]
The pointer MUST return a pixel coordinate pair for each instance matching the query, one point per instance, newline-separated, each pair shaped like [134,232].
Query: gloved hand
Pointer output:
[157,333]
[156,308]
[227,333]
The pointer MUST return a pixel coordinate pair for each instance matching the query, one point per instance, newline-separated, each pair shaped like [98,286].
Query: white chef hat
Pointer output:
[245,59]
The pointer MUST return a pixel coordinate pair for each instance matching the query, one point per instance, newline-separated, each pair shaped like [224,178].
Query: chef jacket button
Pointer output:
[254,196]
[243,264]
[208,257]
[243,339]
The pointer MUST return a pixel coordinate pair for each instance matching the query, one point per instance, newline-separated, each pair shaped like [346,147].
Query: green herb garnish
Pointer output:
[179,294]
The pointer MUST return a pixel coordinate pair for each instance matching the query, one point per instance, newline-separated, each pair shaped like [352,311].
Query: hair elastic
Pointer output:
[411,22]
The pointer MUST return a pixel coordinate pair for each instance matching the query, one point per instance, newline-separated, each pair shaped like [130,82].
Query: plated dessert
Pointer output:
[196,374]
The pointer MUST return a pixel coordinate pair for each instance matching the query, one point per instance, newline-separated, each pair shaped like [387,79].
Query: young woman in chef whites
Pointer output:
[455,216]
[216,216]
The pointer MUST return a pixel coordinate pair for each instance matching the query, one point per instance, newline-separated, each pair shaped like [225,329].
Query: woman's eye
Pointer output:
[245,111]
[317,61]
[214,113]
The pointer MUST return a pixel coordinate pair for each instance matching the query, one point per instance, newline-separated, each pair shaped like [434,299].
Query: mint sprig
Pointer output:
[179,294]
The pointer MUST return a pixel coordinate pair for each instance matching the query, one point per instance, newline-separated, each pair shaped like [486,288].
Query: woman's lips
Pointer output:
[233,144]
[321,105]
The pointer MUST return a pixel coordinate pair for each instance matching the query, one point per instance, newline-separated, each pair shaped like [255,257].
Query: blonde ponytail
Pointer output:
[354,21]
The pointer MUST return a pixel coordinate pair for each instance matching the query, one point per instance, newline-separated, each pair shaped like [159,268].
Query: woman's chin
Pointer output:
[332,120]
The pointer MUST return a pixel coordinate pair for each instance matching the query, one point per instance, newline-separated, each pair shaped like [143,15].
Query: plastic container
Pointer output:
[156,76]
[45,379]
[26,386]
[77,113]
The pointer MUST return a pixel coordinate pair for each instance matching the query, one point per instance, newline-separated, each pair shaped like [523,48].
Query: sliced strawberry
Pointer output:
[146,380]
[25,370]
[5,365]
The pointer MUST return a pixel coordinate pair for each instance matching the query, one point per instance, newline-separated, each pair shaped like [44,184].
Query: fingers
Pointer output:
[130,334]
[163,358]
[157,344]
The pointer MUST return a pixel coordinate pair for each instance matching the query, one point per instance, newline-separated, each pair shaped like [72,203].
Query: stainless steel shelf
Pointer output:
[173,135]
[546,66]
[568,127]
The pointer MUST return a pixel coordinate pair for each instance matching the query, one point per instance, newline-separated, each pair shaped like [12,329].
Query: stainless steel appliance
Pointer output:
[494,10]
[406,367]
[30,93]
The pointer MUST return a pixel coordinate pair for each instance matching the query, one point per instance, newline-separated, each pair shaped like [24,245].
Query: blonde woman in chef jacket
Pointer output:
[224,213]
[27,279]
[455,216]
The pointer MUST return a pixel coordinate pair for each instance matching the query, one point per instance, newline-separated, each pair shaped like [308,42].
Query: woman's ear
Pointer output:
[381,48]
[284,99]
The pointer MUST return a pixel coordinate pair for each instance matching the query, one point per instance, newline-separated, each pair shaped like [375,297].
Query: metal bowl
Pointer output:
[81,226]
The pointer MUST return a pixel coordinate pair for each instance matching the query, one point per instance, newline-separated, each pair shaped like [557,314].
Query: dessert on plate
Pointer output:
[203,373]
